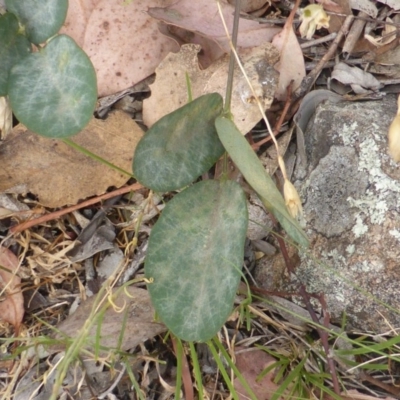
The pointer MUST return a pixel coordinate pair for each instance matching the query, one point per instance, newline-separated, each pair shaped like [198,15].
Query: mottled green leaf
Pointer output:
[54,91]
[195,256]
[250,166]
[40,18]
[179,147]
[13,48]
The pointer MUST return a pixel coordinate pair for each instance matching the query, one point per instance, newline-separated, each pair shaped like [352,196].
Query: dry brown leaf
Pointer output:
[366,6]
[12,304]
[358,79]
[336,21]
[5,118]
[388,35]
[330,5]
[60,175]
[395,4]
[122,41]
[291,64]
[170,92]
[139,327]
[250,363]
[249,6]
[202,16]
[211,51]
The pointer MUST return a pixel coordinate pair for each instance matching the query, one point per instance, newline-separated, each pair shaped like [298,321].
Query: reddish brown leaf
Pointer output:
[251,363]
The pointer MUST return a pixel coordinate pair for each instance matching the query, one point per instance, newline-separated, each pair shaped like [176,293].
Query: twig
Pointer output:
[114,384]
[314,42]
[186,375]
[310,79]
[312,64]
[322,334]
[234,37]
[56,214]
[279,123]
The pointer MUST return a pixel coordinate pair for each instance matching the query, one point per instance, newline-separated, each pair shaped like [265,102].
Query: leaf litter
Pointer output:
[12,302]
[60,175]
[48,262]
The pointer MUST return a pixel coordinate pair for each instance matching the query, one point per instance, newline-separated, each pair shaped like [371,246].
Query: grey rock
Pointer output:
[351,201]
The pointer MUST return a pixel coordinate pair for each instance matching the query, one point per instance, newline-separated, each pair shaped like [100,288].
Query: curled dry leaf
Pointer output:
[249,6]
[291,65]
[330,5]
[358,79]
[395,4]
[12,304]
[366,6]
[202,16]
[169,91]
[388,35]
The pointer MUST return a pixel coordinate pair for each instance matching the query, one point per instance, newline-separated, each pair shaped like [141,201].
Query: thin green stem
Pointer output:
[222,369]
[189,87]
[229,84]
[179,354]
[196,369]
[88,153]
[237,373]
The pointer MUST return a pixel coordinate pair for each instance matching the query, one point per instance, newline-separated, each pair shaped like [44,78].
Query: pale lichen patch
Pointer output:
[347,133]
[359,227]
[351,192]
[395,233]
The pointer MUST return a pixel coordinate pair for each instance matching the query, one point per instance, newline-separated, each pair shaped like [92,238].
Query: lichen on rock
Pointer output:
[351,202]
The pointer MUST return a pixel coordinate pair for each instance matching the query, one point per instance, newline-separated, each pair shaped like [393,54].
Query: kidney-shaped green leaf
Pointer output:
[181,146]
[13,47]
[250,166]
[54,91]
[41,18]
[195,256]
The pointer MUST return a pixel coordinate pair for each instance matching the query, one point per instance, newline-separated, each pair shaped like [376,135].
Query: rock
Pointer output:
[351,201]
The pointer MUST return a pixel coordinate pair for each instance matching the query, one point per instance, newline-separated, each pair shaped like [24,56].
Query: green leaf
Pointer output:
[195,256]
[179,147]
[250,166]
[41,18]
[54,91]
[13,48]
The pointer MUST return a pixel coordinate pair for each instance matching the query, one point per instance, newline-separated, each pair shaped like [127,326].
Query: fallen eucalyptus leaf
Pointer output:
[358,79]
[171,83]
[60,175]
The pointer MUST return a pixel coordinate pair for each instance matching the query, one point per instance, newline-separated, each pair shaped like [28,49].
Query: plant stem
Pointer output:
[222,369]
[95,157]
[229,84]
[196,369]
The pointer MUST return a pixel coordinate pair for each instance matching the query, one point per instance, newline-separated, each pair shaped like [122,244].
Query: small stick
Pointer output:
[314,42]
[310,79]
[56,214]
[279,123]
[186,375]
